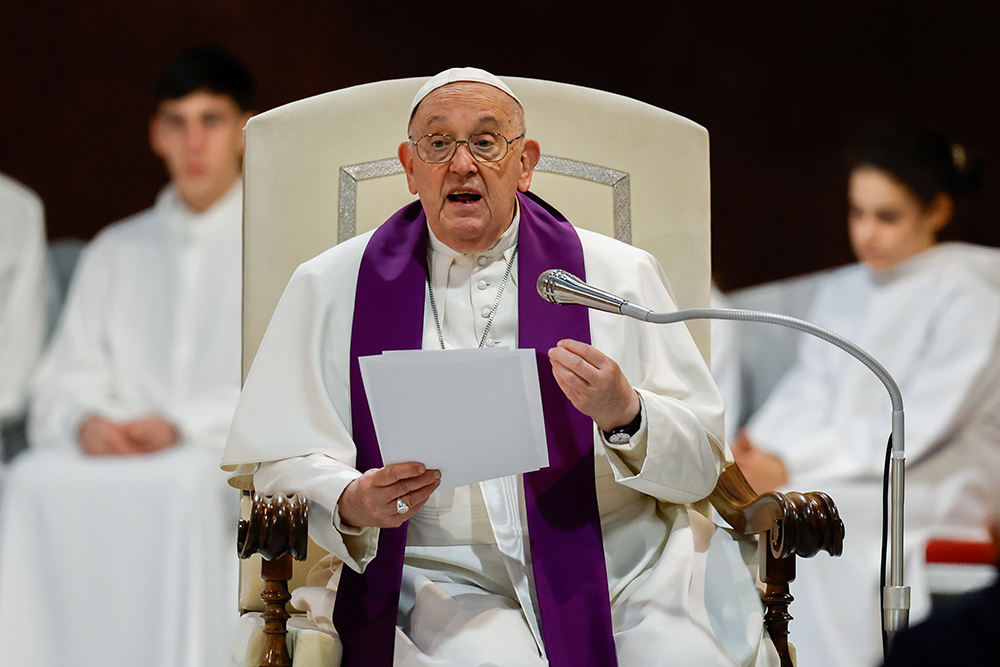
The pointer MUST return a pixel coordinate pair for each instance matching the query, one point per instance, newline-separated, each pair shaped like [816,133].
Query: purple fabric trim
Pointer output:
[564,523]
[390,280]
[564,527]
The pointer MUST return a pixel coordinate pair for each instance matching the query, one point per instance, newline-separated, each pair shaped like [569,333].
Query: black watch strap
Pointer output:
[622,434]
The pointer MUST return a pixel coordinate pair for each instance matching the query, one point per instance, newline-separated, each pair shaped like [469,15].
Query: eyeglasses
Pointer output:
[485,147]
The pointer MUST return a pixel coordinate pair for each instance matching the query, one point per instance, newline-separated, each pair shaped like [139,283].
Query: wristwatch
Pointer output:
[622,434]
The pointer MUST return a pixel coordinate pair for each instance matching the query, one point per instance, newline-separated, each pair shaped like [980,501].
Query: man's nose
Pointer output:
[196,136]
[462,161]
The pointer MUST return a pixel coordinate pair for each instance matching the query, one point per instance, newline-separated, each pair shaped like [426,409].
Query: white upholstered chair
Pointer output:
[323,169]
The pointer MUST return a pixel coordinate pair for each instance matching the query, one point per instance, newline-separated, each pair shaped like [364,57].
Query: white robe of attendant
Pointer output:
[933,323]
[128,560]
[681,592]
[23,293]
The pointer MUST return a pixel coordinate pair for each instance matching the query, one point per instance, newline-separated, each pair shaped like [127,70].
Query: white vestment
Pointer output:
[129,560]
[23,293]
[467,596]
[932,322]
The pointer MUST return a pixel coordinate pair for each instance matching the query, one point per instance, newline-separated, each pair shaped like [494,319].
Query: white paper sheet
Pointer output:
[472,414]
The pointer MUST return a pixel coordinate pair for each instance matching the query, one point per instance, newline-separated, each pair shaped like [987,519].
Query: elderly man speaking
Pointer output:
[595,560]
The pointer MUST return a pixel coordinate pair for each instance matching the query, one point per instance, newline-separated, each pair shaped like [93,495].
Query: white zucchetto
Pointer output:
[454,75]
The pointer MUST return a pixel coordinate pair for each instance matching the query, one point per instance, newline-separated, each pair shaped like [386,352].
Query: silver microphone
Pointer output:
[562,287]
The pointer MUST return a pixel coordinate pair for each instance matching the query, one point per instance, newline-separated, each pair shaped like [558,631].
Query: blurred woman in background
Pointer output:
[930,313]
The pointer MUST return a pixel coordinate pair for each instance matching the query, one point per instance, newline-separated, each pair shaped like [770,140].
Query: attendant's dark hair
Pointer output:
[206,68]
[922,160]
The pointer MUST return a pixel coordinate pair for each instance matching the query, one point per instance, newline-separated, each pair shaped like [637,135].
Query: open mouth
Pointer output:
[464,197]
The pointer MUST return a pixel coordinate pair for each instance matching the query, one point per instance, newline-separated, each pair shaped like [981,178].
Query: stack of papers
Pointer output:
[472,414]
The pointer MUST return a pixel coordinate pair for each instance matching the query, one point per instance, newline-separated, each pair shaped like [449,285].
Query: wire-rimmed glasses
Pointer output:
[485,147]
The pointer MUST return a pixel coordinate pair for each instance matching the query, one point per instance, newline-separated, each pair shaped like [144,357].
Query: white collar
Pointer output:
[909,266]
[190,224]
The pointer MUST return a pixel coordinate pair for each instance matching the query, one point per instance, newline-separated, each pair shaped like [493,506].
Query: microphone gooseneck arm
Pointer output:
[562,287]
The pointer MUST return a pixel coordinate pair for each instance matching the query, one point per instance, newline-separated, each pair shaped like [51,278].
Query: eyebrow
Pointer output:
[482,120]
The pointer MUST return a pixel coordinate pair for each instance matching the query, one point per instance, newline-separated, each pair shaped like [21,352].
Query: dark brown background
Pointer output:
[784,89]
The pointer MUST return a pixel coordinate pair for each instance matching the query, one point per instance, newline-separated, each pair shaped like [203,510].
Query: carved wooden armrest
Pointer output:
[793,524]
[278,529]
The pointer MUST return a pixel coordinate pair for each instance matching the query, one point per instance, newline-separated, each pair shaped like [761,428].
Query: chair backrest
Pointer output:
[323,169]
[63,256]
[767,352]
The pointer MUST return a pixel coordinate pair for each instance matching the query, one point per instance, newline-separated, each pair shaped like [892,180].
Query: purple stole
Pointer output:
[564,527]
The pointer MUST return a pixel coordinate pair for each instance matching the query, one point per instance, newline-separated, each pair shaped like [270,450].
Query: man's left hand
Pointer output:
[152,433]
[594,383]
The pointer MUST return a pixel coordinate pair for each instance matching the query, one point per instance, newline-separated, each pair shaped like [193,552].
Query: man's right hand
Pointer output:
[102,437]
[370,500]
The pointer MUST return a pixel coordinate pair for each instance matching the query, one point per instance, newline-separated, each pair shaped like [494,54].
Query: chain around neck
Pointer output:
[493,311]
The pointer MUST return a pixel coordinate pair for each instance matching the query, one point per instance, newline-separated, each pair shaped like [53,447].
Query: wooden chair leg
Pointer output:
[776,574]
[276,574]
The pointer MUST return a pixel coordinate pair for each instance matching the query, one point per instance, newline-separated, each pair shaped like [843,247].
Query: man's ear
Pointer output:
[406,159]
[529,159]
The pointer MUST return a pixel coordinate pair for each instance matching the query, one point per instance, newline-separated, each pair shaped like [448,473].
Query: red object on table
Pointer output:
[960,552]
